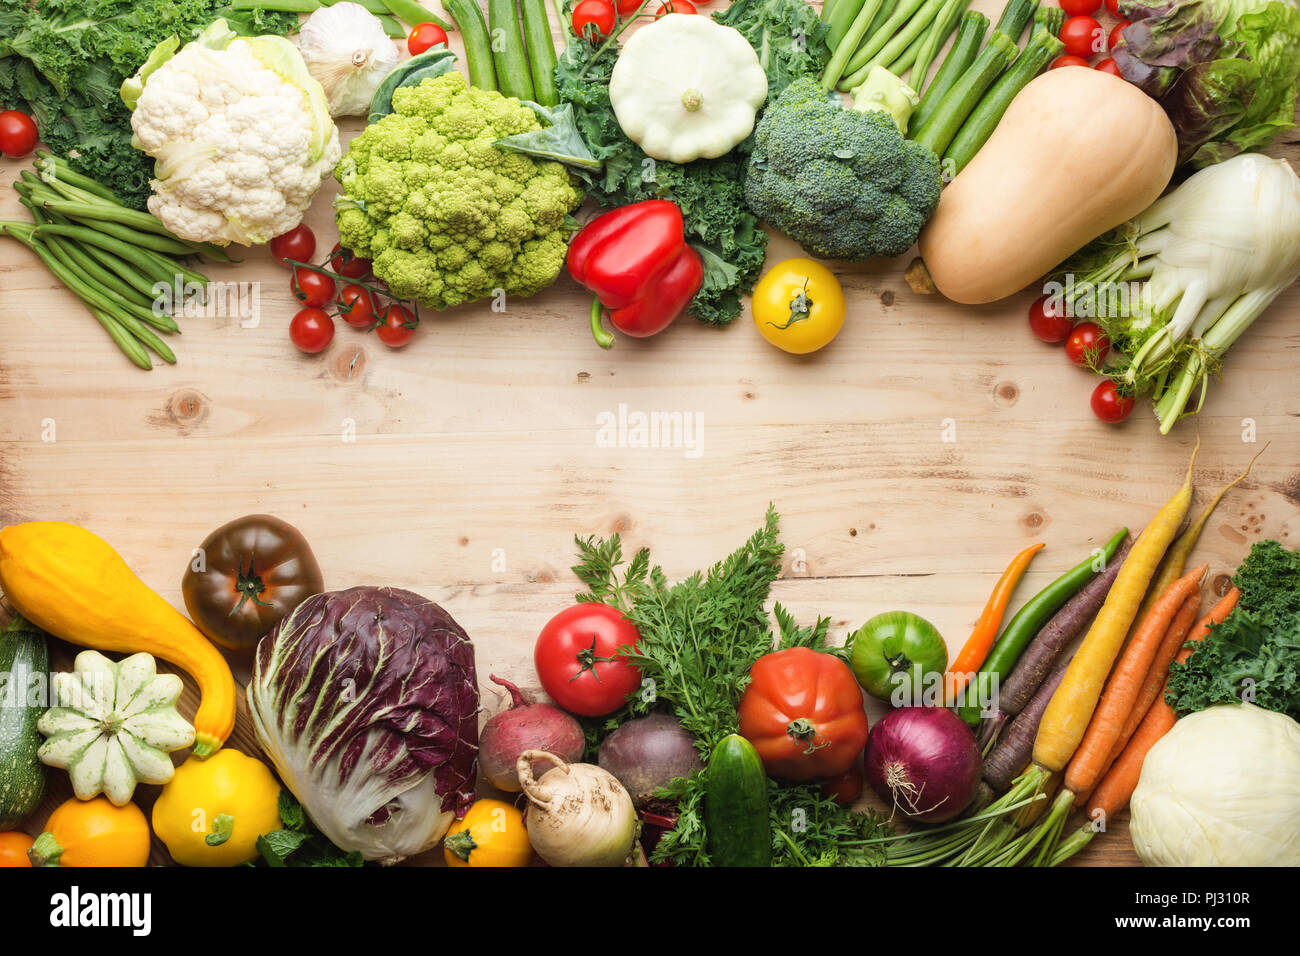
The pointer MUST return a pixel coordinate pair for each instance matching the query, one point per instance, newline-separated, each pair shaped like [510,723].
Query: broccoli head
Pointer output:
[447,216]
[843,183]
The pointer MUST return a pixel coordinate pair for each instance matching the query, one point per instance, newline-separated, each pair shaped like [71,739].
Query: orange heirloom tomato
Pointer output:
[803,714]
[13,849]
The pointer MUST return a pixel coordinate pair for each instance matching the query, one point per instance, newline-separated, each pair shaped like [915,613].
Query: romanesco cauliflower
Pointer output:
[447,216]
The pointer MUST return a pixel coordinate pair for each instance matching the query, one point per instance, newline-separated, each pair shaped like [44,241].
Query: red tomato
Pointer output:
[1087,344]
[1080,8]
[675,6]
[343,262]
[299,244]
[846,788]
[311,330]
[1083,36]
[423,36]
[1113,7]
[18,134]
[1112,39]
[1068,60]
[357,306]
[577,660]
[1047,325]
[1109,65]
[803,714]
[314,288]
[593,19]
[628,7]
[397,326]
[1109,405]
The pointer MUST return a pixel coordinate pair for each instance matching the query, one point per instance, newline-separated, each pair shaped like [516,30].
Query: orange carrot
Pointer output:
[1115,789]
[1123,686]
[973,653]
[1174,637]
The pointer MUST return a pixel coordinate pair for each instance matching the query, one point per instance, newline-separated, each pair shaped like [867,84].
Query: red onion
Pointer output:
[923,762]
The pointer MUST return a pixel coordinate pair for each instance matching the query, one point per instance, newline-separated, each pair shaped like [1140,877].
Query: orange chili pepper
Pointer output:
[977,646]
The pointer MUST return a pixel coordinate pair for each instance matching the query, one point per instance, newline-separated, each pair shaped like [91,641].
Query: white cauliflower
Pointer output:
[241,133]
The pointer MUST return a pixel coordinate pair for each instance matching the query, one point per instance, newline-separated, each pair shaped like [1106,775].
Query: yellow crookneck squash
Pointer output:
[93,833]
[73,584]
[212,811]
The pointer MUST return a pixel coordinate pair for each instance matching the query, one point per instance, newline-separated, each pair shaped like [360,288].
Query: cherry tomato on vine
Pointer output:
[397,326]
[298,243]
[1113,7]
[1087,344]
[593,19]
[1046,323]
[313,288]
[577,659]
[1080,8]
[1109,65]
[1109,405]
[627,7]
[347,265]
[675,6]
[1083,36]
[357,306]
[1067,60]
[18,134]
[1113,38]
[423,36]
[311,330]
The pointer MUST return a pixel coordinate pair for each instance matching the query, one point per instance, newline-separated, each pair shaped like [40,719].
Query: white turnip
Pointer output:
[578,814]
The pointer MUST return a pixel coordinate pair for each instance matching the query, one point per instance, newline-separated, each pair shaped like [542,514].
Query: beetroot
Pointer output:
[645,753]
[525,726]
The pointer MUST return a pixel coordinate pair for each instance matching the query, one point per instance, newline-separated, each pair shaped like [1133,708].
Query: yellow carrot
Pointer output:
[1067,715]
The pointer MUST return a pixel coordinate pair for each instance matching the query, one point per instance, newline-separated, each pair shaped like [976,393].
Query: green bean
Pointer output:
[104,277]
[839,20]
[934,41]
[414,13]
[174,268]
[63,172]
[124,339]
[904,14]
[374,6]
[144,240]
[127,314]
[128,273]
[852,37]
[130,218]
[135,255]
[279,6]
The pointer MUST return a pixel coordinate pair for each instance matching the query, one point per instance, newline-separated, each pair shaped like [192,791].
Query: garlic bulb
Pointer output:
[347,51]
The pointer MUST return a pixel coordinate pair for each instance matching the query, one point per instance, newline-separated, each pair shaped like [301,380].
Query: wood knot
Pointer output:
[347,364]
[1220,583]
[187,407]
[1006,393]
[584,377]
[1034,520]
[887,298]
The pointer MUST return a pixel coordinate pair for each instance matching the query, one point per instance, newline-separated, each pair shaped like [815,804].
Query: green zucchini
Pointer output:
[508,54]
[735,806]
[478,48]
[24,696]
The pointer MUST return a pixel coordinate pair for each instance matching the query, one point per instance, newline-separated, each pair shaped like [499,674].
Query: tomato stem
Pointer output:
[249,585]
[588,658]
[801,728]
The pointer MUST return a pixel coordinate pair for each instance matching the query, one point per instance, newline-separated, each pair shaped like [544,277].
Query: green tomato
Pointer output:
[899,657]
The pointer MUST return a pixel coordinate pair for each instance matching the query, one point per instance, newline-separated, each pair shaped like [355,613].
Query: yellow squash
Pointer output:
[93,833]
[71,583]
[212,811]
[491,833]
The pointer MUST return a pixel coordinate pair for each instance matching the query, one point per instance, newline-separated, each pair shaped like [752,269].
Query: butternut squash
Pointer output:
[1077,153]
[71,583]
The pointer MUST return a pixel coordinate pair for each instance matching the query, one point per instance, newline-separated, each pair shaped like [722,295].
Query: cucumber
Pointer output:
[735,806]
[508,55]
[24,696]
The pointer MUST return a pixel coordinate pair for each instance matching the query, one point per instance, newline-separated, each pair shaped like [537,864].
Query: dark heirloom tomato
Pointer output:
[246,576]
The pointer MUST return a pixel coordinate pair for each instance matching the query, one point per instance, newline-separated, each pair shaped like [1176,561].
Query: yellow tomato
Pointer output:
[798,306]
[212,811]
[490,834]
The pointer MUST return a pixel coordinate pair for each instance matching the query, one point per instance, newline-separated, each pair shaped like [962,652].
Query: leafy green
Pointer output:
[63,62]
[299,843]
[710,192]
[787,35]
[700,636]
[1254,654]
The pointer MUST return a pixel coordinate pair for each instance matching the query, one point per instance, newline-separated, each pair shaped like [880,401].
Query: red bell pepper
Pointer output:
[637,262]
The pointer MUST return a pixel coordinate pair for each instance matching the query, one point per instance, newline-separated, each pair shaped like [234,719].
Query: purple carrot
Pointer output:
[1016,748]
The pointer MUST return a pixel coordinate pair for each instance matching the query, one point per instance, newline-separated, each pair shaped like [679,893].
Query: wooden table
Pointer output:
[909,460]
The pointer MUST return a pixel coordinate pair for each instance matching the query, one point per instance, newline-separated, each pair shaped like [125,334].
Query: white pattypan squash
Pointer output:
[113,725]
[687,88]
